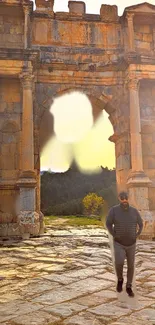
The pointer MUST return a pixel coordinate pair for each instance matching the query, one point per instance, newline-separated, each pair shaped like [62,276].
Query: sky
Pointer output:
[93,6]
[76,138]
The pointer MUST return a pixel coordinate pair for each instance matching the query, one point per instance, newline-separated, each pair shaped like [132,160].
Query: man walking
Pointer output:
[122,222]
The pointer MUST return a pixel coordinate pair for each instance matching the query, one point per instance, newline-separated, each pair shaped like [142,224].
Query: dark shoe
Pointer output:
[119,285]
[129,292]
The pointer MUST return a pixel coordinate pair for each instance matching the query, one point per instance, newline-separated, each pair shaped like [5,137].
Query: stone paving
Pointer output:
[66,277]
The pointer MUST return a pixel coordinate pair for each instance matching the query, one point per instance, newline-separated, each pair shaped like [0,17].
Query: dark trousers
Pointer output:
[120,253]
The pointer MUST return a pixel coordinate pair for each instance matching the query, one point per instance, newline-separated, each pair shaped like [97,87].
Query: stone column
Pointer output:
[26,24]
[138,183]
[154,38]
[130,17]
[123,160]
[27,79]
[135,126]
[28,218]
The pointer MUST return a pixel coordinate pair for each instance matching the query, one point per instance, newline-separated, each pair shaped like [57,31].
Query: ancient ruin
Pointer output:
[44,54]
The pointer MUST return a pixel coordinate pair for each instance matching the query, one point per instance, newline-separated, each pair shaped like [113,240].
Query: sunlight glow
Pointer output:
[73,117]
[95,150]
[76,138]
[56,156]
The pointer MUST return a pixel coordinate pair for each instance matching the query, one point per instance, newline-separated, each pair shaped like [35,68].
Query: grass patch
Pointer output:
[73,221]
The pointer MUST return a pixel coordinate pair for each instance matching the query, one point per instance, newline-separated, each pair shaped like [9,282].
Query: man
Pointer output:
[122,222]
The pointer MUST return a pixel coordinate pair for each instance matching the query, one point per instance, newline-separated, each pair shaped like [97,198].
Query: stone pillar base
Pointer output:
[28,223]
[138,184]
[42,225]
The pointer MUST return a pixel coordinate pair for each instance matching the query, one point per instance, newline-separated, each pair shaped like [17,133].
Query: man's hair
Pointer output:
[122,194]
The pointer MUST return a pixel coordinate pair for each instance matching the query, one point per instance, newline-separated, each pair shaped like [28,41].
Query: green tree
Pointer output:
[93,204]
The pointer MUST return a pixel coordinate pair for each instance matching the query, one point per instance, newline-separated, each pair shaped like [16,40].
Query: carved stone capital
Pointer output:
[27,80]
[133,83]
[26,10]
[130,16]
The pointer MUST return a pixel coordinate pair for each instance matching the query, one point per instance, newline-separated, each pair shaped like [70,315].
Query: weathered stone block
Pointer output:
[123,162]
[142,45]
[152,198]
[13,229]
[138,197]
[9,174]
[151,162]
[138,36]
[147,37]
[27,199]
[3,230]
[109,13]
[142,28]
[41,31]
[77,7]
[44,4]
[146,129]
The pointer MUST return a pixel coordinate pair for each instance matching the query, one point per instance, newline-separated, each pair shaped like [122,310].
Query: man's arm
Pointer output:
[140,224]
[110,221]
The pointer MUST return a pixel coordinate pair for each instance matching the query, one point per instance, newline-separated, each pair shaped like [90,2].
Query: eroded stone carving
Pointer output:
[29,223]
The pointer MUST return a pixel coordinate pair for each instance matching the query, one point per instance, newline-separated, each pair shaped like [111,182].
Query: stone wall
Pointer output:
[75,33]
[11,30]
[143,38]
[10,126]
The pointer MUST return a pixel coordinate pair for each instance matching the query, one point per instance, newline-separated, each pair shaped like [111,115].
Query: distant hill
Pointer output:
[62,193]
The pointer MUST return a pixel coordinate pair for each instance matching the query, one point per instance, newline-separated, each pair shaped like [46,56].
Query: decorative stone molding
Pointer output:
[138,179]
[28,222]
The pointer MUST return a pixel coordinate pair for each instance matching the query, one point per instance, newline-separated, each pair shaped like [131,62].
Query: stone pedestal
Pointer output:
[138,188]
[28,218]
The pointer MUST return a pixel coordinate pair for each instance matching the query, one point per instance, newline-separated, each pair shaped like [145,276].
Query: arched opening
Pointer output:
[79,129]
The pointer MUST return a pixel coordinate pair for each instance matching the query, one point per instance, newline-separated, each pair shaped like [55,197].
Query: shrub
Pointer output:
[93,204]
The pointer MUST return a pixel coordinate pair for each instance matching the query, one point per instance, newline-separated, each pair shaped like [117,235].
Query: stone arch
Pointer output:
[114,100]
[99,100]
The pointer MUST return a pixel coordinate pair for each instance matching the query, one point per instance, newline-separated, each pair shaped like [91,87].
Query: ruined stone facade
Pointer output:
[44,55]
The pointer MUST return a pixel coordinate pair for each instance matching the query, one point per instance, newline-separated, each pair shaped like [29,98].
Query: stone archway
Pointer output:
[45,54]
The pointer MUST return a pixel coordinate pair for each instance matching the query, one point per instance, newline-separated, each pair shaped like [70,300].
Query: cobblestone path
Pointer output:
[66,278]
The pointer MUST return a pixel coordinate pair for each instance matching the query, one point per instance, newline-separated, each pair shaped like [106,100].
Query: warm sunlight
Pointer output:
[77,138]
[72,117]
